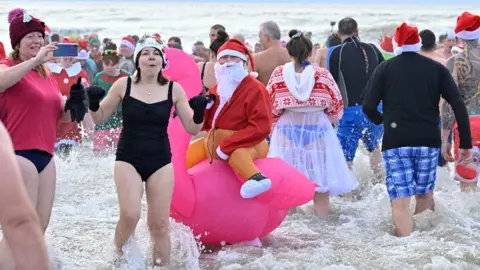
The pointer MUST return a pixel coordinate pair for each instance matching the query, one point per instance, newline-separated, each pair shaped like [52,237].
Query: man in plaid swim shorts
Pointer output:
[409,87]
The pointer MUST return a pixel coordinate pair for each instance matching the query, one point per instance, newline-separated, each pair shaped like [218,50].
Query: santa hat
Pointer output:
[22,24]
[457,49]
[468,26]
[406,39]
[150,42]
[234,47]
[386,46]
[128,42]
[83,44]
[83,55]
[47,31]
[3,55]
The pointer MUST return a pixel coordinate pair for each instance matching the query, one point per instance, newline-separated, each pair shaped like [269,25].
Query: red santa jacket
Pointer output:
[249,112]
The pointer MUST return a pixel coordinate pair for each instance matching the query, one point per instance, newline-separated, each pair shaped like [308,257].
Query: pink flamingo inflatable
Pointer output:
[207,197]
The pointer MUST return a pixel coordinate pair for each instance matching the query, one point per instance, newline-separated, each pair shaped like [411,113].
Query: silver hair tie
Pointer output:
[297,35]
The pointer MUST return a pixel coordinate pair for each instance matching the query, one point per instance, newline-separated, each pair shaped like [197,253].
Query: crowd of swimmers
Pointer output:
[348,88]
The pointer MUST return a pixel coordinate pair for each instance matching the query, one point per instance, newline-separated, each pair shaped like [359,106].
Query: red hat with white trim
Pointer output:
[234,47]
[386,46]
[406,39]
[129,43]
[468,26]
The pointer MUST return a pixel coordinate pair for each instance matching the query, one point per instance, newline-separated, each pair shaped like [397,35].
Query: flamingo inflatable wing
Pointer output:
[207,197]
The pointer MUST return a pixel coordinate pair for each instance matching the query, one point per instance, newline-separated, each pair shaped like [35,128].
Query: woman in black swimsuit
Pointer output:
[143,152]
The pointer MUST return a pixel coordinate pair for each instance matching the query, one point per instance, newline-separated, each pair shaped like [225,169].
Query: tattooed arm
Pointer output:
[447,115]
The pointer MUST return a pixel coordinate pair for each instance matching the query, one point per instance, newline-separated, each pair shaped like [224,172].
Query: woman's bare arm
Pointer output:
[12,75]
[19,220]
[184,111]
[110,103]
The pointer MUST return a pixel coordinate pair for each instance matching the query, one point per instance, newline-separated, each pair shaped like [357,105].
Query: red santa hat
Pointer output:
[406,39]
[468,26]
[128,42]
[386,46]
[234,47]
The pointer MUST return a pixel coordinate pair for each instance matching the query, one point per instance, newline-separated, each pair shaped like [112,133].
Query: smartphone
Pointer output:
[66,50]
[333,23]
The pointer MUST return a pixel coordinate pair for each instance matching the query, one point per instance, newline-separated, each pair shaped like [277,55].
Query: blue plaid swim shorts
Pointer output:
[410,171]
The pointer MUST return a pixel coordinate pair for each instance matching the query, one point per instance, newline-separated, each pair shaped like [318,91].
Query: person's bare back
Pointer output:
[273,55]
[269,59]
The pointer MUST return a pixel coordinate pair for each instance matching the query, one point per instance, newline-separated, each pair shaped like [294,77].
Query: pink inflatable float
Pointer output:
[207,197]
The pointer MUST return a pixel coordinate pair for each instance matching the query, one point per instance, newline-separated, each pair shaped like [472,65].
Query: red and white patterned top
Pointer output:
[325,95]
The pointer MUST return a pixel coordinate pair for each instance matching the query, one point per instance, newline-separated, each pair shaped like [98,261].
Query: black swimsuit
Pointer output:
[144,142]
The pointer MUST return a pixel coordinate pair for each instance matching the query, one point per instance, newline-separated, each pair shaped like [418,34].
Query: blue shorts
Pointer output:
[410,170]
[354,126]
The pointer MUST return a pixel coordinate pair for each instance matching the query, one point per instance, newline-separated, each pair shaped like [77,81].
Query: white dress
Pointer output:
[304,137]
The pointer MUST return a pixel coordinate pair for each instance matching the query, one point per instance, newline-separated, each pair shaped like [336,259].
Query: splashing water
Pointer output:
[357,235]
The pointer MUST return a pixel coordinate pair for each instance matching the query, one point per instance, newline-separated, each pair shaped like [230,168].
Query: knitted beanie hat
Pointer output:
[22,24]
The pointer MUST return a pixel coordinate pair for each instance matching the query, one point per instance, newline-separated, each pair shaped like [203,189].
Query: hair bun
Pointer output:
[222,36]
[14,13]
[292,33]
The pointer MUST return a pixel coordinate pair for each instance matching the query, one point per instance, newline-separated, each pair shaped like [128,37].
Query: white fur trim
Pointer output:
[407,48]
[456,49]
[232,53]
[148,43]
[469,35]
[210,105]
[221,154]
[385,52]
[128,44]
[254,74]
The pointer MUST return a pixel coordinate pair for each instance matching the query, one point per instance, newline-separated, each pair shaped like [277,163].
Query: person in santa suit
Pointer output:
[238,119]
[66,71]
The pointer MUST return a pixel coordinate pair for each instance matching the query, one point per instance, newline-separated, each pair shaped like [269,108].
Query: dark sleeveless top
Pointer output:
[144,134]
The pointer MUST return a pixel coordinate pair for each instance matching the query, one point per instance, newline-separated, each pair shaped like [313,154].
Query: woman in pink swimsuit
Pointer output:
[30,107]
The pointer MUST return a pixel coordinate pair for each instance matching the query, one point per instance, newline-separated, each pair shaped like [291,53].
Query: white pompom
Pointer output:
[254,74]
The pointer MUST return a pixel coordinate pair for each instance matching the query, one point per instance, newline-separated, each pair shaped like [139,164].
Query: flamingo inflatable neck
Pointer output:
[184,187]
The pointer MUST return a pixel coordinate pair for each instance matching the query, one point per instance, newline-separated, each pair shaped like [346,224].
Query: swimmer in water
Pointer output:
[143,154]
[17,216]
[273,54]
[30,107]
[465,68]
[445,51]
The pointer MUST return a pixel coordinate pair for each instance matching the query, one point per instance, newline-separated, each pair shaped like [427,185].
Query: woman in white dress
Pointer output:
[306,105]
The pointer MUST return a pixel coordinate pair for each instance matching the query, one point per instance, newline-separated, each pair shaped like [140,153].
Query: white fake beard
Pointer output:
[229,76]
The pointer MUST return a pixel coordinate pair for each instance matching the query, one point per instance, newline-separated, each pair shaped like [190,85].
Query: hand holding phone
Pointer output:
[66,50]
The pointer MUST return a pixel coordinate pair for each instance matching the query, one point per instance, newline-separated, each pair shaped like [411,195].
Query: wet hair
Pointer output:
[199,43]
[347,26]
[299,46]
[442,38]
[218,27]
[55,37]
[428,40]
[271,29]
[333,40]
[222,37]
[160,79]
[176,39]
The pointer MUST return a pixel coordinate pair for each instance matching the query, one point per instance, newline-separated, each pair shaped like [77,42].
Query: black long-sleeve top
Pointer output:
[357,61]
[409,87]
